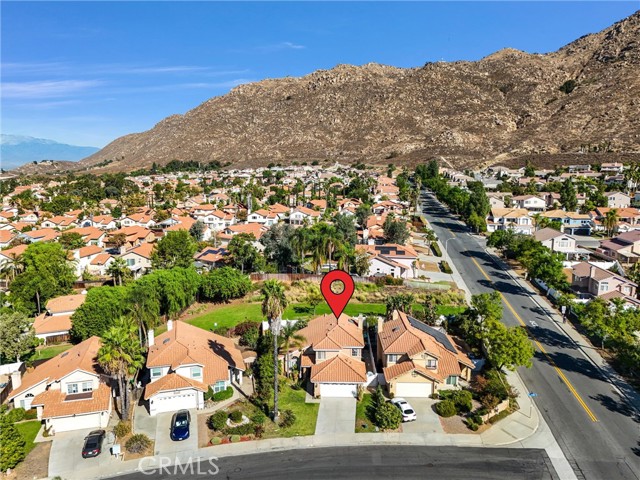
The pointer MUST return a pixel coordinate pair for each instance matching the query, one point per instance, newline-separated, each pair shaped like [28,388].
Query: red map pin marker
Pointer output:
[337,301]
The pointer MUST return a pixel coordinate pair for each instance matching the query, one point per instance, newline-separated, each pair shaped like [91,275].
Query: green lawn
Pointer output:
[230,315]
[29,430]
[50,352]
[363,424]
[306,413]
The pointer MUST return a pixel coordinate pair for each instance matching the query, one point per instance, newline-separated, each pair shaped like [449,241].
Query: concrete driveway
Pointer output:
[180,450]
[427,420]
[336,415]
[66,453]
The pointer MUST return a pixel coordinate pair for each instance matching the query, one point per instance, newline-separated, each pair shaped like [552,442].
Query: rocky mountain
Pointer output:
[17,149]
[503,108]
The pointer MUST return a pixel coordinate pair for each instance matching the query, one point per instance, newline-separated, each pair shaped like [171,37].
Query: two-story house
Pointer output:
[90,235]
[69,391]
[516,219]
[560,242]
[530,203]
[300,215]
[625,248]
[263,217]
[59,221]
[572,223]
[618,200]
[332,356]
[390,259]
[590,279]
[184,362]
[417,359]
[55,322]
[139,259]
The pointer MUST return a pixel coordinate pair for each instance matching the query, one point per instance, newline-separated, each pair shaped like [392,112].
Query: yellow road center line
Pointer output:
[540,347]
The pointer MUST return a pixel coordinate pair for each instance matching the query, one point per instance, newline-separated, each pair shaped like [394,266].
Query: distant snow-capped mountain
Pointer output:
[16,150]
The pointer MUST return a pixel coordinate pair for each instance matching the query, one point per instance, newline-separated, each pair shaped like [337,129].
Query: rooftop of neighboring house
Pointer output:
[14,252]
[44,323]
[624,240]
[89,250]
[43,234]
[509,212]
[101,259]
[340,368]
[184,344]
[79,357]
[586,269]
[144,250]
[545,234]
[6,236]
[88,233]
[184,223]
[307,211]
[255,228]
[65,303]
[328,333]
[390,250]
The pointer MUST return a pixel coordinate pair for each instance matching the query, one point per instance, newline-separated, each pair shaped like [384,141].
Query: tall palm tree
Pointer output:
[290,337]
[273,305]
[121,357]
[610,221]
[118,270]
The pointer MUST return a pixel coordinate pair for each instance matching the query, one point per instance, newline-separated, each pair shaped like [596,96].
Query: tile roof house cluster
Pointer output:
[417,359]
[68,391]
[589,279]
[184,362]
[625,248]
[332,356]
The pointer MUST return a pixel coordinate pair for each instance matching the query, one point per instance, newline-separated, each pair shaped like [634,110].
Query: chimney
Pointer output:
[169,325]
[150,338]
[380,324]
[16,379]
[592,271]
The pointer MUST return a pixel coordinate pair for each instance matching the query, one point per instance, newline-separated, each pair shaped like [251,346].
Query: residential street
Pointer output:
[597,429]
[383,462]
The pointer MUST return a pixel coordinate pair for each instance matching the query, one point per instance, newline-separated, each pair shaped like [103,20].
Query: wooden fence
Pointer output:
[295,277]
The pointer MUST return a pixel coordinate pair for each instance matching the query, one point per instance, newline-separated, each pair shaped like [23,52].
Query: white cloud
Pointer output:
[280,46]
[47,88]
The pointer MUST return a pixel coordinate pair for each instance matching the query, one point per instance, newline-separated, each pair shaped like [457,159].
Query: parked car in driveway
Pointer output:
[180,425]
[408,413]
[93,444]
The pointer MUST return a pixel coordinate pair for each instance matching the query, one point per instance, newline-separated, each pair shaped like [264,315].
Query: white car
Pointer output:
[408,413]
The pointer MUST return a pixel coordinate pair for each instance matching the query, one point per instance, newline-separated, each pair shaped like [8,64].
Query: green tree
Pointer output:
[610,221]
[119,271]
[395,231]
[273,304]
[71,240]
[12,445]
[224,284]
[289,337]
[363,212]
[178,288]
[46,274]
[102,307]
[507,347]
[175,249]
[143,303]
[197,231]
[314,296]
[346,228]
[17,338]
[244,255]
[383,414]
[362,263]
[121,356]
[402,302]
[568,198]
[277,245]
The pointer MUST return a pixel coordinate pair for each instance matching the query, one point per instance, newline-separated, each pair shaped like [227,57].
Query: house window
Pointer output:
[219,386]
[355,352]
[604,287]
[156,372]
[72,388]
[392,358]
[196,372]
[87,386]
[431,363]
[131,262]
[321,355]
[452,380]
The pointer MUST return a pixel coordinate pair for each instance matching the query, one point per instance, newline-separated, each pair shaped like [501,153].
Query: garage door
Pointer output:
[338,390]
[413,389]
[65,424]
[169,402]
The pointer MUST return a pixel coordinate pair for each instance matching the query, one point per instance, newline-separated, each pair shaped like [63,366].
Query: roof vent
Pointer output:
[64,354]
[165,341]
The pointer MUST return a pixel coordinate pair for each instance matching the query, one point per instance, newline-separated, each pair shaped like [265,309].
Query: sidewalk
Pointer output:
[581,343]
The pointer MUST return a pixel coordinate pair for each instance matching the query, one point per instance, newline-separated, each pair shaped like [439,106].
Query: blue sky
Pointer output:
[88,72]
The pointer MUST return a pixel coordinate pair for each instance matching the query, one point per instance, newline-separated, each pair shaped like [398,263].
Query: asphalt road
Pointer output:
[371,462]
[598,431]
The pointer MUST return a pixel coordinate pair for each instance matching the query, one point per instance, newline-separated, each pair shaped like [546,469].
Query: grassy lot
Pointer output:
[363,424]
[50,352]
[306,413]
[230,315]
[29,430]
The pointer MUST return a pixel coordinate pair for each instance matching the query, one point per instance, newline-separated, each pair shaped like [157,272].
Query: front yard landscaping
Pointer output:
[29,431]
[46,353]
[244,420]
[363,424]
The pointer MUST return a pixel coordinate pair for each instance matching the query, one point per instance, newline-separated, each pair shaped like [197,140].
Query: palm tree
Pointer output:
[121,357]
[290,337]
[273,304]
[610,221]
[12,268]
[118,270]
[300,243]
[537,220]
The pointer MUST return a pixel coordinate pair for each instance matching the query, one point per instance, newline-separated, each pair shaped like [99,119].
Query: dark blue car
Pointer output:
[180,425]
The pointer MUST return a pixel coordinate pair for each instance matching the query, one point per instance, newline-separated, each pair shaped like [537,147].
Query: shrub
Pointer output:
[568,86]
[218,420]
[122,429]
[446,408]
[258,418]
[436,249]
[387,416]
[235,416]
[244,327]
[223,395]
[216,441]
[31,414]
[249,338]
[287,419]
[462,400]
[258,430]
[444,266]
[12,445]
[472,424]
[235,438]
[434,396]
[245,429]
[500,416]
[15,415]
[138,443]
